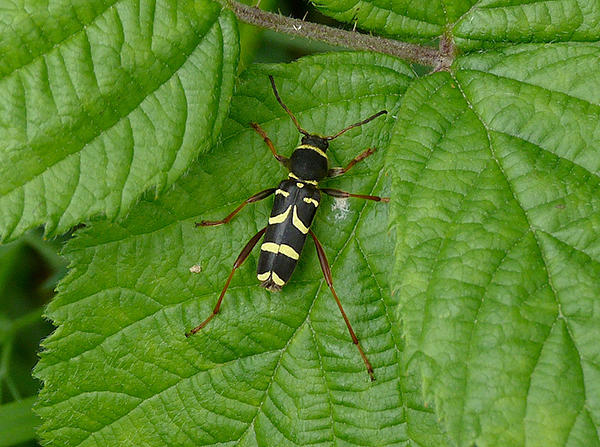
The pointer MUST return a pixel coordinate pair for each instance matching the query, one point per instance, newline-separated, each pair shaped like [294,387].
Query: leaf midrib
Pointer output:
[352,235]
[281,351]
[530,228]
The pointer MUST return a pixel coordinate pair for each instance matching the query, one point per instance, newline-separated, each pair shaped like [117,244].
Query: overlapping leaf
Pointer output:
[490,22]
[101,101]
[497,182]
[271,369]
[474,24]
[399,18]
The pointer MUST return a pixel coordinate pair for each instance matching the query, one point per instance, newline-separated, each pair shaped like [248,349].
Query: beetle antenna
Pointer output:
[289,112]
[382,112]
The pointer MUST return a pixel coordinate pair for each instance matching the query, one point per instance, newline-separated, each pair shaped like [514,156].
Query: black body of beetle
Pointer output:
[293,211]
[294,208]
[297,199]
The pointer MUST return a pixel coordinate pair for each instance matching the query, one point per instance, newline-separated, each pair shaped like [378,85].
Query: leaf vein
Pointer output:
[536,239]
[118,120]
[57,44]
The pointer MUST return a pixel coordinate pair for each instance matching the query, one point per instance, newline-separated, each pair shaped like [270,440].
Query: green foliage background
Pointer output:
[475,292]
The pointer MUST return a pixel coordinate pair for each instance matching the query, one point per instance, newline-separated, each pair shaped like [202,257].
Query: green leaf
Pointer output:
[489,22]
[496,186]
[474,24]
[102,101]
[271,369]
[396,18]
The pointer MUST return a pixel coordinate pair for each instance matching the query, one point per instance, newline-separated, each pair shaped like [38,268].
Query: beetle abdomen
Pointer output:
[293,212]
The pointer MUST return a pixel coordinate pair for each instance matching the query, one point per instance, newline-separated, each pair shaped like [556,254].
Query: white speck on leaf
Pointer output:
[340,208]
[196,268]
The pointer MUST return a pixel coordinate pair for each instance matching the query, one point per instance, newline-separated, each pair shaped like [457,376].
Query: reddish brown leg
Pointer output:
[280,158]
[239,261]
[334,172]
[255,198]
[327,273]
[343,194]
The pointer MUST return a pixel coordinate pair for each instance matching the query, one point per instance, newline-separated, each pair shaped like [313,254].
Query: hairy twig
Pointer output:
[423,55]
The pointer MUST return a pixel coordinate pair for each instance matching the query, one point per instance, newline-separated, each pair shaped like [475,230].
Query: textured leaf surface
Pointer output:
[271,369]
[101,101]
[474,24]
[489,22]
[400,18]
[496,181]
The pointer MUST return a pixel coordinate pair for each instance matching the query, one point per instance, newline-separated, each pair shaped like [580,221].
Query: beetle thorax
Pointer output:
[309,160]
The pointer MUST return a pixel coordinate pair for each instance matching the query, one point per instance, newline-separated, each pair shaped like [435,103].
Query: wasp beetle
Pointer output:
[296,201]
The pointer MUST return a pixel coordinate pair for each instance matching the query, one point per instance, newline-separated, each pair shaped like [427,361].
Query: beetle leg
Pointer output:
[255,198]
[280,158]
[335,172]
[343,194]
[238,262]
[327,273]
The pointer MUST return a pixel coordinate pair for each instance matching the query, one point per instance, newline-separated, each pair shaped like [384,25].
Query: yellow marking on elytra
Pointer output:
[300,185]
[263,276]
[313,148]
[277,280]
[313,201]
[284,249]
[288,251]
[280,217]
[282,192]
[294,176]
[298,223]
[270,247]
